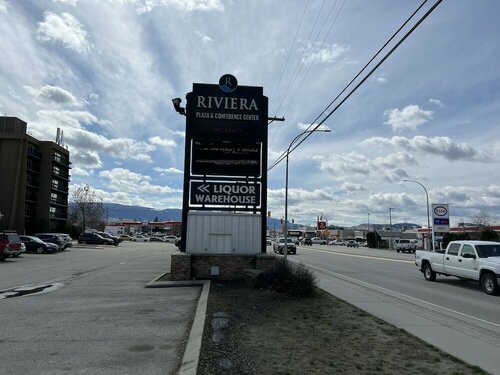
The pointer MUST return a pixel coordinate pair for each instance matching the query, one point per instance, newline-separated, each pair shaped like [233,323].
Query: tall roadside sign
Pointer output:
[440,220]
[225,165]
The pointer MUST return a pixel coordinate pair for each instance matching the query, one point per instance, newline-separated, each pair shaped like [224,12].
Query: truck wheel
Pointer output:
[489,283]
[39,250]
[429,274]
[397,250]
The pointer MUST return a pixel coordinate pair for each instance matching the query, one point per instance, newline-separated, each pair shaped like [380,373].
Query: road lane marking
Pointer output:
[363,256]
[392,292]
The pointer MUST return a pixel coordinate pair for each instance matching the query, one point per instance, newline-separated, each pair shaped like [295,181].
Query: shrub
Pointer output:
[295,280]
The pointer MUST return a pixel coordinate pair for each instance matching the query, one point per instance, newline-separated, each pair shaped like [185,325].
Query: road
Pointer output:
[96,316]
[453,315]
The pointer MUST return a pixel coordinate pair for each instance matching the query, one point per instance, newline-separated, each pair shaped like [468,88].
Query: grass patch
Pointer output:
[272,333]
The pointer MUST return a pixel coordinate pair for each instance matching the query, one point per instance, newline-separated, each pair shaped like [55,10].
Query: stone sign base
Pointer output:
[221,266]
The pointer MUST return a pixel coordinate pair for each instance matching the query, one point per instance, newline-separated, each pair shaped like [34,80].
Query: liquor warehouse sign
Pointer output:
[225,193]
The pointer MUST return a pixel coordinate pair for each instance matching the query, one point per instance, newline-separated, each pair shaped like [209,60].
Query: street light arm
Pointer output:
[428,215]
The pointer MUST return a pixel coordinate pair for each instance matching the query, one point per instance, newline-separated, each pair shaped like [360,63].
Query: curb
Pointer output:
[191,357]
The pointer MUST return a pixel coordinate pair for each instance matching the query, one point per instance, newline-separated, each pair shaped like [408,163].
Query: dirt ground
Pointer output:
[251,331]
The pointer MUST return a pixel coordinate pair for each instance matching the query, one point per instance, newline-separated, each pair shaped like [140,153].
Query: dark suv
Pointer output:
[52,238]
[10,245]
[116,240]
[307,242]
[94,238]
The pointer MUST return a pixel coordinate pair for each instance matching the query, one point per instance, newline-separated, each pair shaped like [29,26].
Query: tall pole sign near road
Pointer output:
[440,219]
[225,165]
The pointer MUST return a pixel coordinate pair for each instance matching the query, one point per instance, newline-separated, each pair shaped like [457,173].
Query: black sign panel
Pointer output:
[225,193]
[241,113]
[226,158]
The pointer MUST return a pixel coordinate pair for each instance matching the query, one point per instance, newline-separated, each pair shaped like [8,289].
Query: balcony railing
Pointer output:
[62,161]
[34,153]
[60,202]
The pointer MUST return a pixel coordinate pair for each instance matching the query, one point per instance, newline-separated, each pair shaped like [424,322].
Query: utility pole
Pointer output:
[390,227]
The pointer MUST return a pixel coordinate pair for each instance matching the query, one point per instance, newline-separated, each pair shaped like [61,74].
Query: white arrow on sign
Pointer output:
[203,188]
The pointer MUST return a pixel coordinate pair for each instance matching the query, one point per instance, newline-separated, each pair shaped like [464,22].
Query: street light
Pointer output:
[428,216]
[285,251]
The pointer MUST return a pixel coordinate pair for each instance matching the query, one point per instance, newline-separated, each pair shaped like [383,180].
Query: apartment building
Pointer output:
[34,177]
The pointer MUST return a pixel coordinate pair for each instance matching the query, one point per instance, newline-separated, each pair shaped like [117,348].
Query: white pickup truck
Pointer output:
[405,245]
[467,260]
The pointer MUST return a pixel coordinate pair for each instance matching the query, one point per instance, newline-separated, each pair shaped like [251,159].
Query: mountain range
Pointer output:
[118,212]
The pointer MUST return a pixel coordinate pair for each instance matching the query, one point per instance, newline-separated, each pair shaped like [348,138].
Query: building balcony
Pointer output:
[32,182]
[61,161]
[59,188]
[56,216]
[34,154]
[59,202]
[60,175]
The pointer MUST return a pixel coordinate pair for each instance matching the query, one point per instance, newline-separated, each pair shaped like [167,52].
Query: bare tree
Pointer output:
[482,219]
[87,210]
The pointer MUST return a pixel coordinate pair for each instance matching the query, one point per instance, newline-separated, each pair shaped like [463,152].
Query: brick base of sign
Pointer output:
[221,266]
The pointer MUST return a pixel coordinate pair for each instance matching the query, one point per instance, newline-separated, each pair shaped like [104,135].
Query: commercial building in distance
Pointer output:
[34,177]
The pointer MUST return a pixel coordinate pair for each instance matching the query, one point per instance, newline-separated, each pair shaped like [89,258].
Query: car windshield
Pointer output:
[486,251]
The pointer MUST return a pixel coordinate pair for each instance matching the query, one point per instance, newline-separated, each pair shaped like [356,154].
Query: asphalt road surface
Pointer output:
[91,313]
[456,316]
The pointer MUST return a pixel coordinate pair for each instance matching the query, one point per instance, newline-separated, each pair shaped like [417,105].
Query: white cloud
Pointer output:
[323,53]
[183,5]
[352,187]
[437,102]
[52,95]
[303,126]
[381,79]
[3,5]
[124,180]
[69,2]
[162,142]
[388,167]
[204,38]
[65,29]
[442,146]
[76,171]
[410,117]
[166,171]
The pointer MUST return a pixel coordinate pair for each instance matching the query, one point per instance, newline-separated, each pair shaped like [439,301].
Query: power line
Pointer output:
[291,48]
[315,58]
[300,59]
[307,132]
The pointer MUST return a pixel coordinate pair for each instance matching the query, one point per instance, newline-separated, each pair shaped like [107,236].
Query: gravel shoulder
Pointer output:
[252,331]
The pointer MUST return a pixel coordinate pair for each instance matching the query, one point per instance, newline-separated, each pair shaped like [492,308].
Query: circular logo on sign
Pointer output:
[440,211]
[228,83]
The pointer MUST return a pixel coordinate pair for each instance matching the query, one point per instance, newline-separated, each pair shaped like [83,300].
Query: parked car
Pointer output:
[68,241]
[157,239]
[140,238]
[10,245]
[352,243]
[52,238]
[125,237]
[171,238]
[36,245]
[94,238]
[307,242]
[319,241]
[116,240]
[279,246]
[337,243]
[178,243]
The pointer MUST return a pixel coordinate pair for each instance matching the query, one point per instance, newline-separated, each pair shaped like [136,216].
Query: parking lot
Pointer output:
[86,311]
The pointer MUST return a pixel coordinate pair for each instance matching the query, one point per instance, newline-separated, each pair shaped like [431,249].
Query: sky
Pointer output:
[105,71]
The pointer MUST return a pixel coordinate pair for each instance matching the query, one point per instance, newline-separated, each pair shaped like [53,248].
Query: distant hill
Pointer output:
[117,211]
